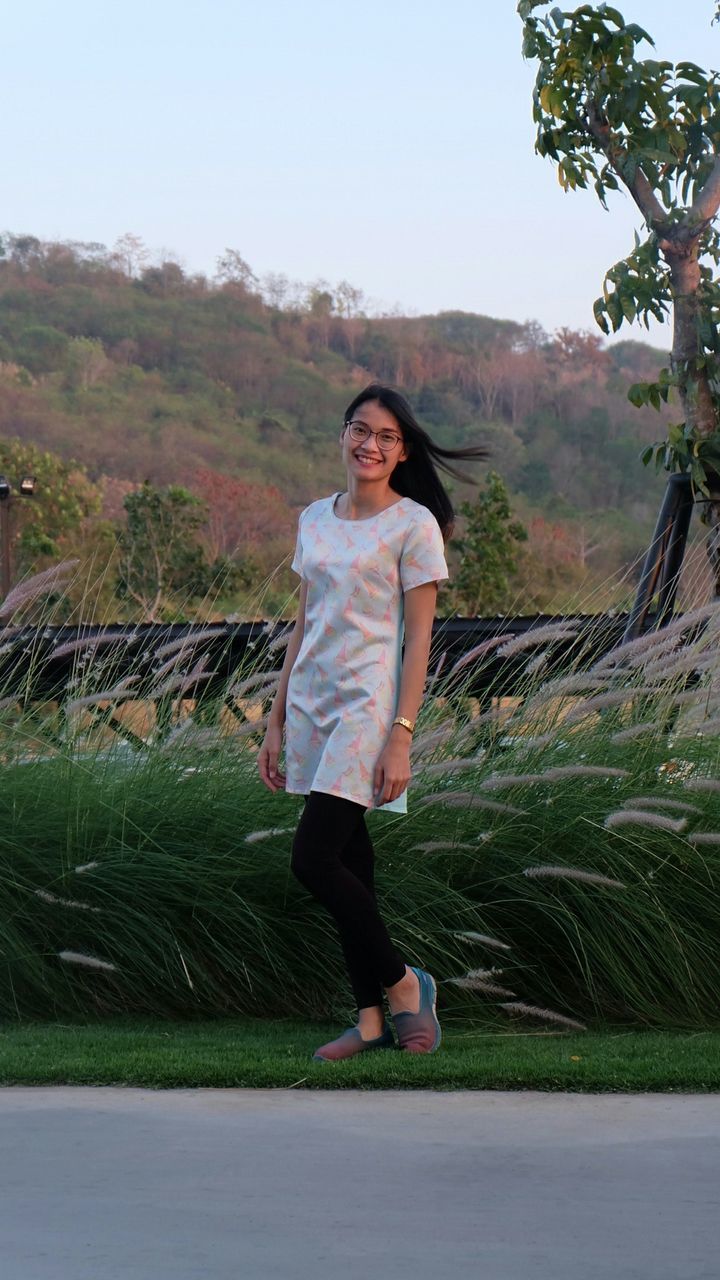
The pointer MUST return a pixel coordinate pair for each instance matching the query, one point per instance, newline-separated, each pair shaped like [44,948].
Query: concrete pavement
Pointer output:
[262,1184]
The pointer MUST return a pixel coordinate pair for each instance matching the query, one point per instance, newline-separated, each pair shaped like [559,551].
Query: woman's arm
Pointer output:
[392,771]
[270,750]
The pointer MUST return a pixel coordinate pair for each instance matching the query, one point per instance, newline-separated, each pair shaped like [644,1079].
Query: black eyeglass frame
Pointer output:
[369,432]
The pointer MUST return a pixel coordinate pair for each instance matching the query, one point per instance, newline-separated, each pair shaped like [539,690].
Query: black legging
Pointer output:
[333,857]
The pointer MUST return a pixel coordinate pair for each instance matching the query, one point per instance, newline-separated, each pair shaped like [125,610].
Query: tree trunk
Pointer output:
[694,389]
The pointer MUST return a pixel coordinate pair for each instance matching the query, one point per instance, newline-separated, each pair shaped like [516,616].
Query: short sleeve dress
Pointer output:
[343,688]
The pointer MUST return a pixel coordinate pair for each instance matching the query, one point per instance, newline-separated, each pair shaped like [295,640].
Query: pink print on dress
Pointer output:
[367,632]
[340,778]
[412,562]
[365,774]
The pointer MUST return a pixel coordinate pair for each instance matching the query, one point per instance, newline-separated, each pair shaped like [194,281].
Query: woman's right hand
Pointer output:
[268,757]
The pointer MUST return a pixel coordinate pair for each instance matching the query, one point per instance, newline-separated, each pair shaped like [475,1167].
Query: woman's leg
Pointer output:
[327,826]
[358,856]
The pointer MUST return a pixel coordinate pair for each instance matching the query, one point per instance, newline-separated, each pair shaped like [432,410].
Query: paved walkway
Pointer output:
[259,1184]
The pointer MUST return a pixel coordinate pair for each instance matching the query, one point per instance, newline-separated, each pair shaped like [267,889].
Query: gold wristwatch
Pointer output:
[407,724]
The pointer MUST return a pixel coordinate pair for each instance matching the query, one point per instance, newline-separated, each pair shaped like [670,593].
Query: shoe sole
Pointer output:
[319,1057]
[438,1033]
[376,1048]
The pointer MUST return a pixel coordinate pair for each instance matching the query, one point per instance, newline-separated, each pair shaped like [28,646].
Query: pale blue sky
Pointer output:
[390,144]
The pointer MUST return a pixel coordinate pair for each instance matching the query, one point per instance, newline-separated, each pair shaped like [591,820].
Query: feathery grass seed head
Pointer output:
[644,802]
[467,800]
[536,635]
[558,772]
[64,902]
[482,939]
[477,984]
[641,818]
[572,873]
[91,962]
[637,731]
[548,1015]
[510,780]
[266,835]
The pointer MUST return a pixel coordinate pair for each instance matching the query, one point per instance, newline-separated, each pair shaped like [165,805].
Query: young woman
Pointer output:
[370,560]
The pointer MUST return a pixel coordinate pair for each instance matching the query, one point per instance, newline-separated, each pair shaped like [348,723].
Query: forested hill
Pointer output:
[147,372]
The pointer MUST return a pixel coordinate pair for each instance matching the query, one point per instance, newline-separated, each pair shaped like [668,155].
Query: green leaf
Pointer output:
[599,313]
[638,33]
[691,71]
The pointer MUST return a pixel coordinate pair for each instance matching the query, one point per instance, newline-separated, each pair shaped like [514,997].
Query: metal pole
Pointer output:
[5,569]
[672,563]
[665,555]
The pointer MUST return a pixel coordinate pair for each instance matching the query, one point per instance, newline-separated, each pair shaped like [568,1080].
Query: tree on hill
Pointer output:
[162,564]
[64,497]
[488,554]
[607,117]
[242,518]
[233,269]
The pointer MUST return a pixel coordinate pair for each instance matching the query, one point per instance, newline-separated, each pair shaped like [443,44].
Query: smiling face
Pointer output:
[370,459]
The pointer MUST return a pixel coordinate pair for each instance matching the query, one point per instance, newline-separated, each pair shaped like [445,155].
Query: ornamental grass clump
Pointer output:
[588,860]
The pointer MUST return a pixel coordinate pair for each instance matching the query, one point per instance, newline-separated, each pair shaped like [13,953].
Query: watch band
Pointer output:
[407,724]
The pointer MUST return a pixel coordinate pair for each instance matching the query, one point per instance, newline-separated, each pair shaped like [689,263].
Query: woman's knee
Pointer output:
[327,825]
[300,862]
[308,857]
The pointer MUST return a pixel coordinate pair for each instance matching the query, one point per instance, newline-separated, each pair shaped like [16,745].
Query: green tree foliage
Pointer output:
[487,549]
[84,363]
[161,564]
[608,117]
[41,348]
[64,498]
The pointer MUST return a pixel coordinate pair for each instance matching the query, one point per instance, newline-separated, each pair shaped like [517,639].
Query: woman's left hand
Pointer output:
[392,771]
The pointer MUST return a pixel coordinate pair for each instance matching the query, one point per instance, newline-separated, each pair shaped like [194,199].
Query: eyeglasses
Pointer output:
[386,439]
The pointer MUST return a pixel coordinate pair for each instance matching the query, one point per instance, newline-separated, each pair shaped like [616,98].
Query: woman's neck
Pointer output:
[364,499]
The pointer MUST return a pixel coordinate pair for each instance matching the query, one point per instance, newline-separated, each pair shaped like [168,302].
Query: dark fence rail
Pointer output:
[42,664]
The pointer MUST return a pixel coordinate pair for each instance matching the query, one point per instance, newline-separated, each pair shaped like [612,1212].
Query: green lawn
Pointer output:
[245,1052]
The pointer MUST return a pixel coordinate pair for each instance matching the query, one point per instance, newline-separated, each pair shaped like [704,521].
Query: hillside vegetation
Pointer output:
[140,372]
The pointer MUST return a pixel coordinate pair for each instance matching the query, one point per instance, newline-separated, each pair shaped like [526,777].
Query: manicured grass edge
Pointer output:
[254,1053]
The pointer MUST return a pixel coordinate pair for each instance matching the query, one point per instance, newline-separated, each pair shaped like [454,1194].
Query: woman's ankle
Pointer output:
[404,996]
[371,1021]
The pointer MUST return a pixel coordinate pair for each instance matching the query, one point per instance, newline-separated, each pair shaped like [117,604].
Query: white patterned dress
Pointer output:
[343,688]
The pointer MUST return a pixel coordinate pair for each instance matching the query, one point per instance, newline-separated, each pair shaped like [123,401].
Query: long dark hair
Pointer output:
[417,477]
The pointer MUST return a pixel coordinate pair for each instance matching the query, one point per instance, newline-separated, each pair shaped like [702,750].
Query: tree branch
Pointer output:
[639,188]
[707,202]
